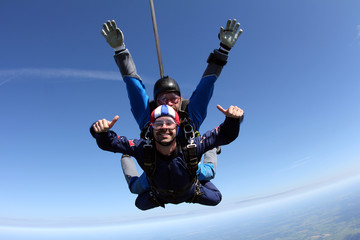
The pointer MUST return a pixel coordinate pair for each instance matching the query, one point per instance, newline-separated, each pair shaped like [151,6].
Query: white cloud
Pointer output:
[8,75]
[300,162]
[296,164]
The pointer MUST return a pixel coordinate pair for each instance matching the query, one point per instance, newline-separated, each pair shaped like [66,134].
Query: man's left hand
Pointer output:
[230,34]
[232,111]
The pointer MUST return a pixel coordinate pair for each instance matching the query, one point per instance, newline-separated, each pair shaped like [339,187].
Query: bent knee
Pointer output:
[218,199]
[144,202]
[214,200]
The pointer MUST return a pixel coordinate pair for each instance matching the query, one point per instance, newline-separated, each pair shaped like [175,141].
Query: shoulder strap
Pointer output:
[184,104]
[149,160]
[145,130]
[149,152]
[152,105]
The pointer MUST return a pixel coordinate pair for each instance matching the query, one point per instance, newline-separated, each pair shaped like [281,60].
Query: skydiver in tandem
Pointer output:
[161,154]
[166,90]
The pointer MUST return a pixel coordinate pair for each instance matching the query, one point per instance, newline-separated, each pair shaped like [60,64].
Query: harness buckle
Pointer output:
[147,137]
[189,133]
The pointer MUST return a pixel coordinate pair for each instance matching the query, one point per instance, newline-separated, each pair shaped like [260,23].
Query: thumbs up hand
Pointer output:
[104,125]
[232,111]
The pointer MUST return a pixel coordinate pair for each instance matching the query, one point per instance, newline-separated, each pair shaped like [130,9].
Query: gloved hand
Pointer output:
[113,35]
[230,34]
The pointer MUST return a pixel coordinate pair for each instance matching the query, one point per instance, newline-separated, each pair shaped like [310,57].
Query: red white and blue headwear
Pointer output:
[164,110]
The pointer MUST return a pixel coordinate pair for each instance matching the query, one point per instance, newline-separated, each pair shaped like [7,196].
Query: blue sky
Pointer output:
[294,70]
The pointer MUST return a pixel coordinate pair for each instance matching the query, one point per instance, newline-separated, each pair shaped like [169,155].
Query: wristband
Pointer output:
[224,47]
[122,47]
[223,51]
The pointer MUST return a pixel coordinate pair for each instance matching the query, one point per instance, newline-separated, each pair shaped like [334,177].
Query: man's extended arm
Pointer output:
[224,134]
[108,140]
[200,98]
[139,100]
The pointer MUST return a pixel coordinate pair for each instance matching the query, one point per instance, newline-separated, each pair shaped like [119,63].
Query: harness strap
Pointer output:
[149,160]
[149,168]
[195,198]
[174,193]
[197,193]
[155,199]
[189,150]
[191,159]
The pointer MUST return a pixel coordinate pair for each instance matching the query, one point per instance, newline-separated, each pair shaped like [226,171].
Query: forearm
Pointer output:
[216,62]
[229,130]
[201,97]
[109,141]
[126,64]
[105,140]
[222,135]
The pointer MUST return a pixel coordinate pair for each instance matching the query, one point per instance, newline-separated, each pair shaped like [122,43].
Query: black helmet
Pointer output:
[166,84]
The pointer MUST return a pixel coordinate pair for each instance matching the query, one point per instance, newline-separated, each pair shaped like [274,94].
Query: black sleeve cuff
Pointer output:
[213,58]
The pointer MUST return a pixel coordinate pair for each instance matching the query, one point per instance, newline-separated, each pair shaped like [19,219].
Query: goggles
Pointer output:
[163,99]
[169,124]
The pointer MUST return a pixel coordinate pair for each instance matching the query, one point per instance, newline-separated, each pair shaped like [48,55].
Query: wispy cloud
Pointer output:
[300,162]
[358,31]
[296,164]
[11,74]
[341,177]
[7,75]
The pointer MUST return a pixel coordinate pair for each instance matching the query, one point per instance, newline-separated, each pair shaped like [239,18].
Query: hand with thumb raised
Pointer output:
[104,125]
[232,111]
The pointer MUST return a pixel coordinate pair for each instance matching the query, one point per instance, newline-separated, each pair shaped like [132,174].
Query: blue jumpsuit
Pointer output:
[171,179]
[139,100]
[197,107]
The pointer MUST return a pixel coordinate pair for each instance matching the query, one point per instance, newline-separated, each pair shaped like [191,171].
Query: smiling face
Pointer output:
[164,130]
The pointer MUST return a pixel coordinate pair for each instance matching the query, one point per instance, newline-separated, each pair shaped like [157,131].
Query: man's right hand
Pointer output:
[104,125]
[113,35]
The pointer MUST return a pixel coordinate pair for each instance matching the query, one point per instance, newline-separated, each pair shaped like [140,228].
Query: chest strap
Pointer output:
[189,150]
[149,155]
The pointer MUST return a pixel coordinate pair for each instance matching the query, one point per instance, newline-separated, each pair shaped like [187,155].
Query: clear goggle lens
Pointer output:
[164,99]
[169,124]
